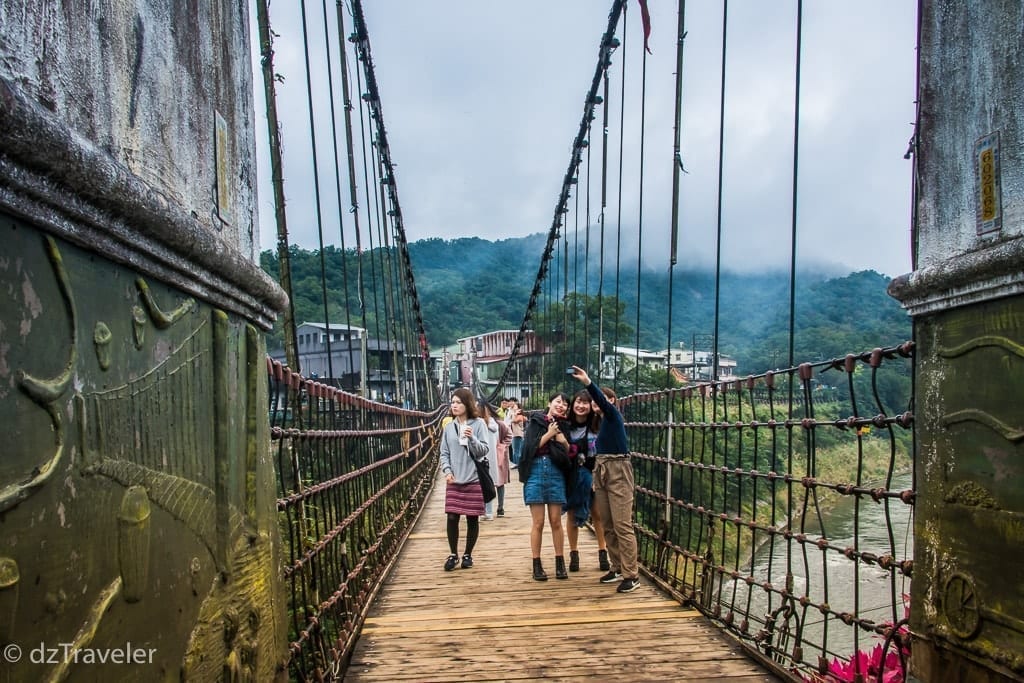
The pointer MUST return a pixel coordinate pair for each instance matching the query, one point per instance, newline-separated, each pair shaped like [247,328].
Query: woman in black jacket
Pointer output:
[542,469]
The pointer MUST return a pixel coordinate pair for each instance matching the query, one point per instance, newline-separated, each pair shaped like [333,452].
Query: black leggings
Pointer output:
[472,531]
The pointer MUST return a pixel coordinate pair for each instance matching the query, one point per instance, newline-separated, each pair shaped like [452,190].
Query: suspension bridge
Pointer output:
[178,504]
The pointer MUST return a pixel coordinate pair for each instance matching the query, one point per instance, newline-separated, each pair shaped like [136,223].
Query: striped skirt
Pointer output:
[464,499]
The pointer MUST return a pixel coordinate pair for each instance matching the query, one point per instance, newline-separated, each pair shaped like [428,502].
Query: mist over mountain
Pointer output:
[471,285]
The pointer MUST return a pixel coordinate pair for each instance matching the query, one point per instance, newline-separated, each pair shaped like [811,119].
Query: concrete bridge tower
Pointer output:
[966,296]
[137,506]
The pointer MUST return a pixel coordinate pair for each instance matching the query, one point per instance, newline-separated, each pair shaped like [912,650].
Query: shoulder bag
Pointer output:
[483,473]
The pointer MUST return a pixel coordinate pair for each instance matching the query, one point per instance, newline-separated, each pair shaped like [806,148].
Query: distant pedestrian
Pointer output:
[484,412]
[584,422]
[516,421]
[504,473]
[463,441]
[542,469]
[614,488]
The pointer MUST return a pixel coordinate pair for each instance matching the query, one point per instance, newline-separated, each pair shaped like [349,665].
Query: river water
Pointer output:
[857,588]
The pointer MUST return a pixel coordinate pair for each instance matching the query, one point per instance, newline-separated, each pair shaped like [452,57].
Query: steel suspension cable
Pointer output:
[604,206]
[371,181]
[291,352]
[387,273]
[640,216]
[618,220]
[792,287]
[316,184]
[721,168]
[353,206]
[396,304]
[569,343]
[608,41]
[337,188]
[391,184]
[586,258]
[364,156]
[374,223]
[677,167]
[378,254]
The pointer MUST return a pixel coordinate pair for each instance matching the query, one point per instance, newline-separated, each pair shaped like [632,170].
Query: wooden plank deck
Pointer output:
[495,623]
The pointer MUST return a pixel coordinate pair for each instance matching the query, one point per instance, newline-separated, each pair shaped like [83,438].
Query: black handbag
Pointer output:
[487,487]
[483,473]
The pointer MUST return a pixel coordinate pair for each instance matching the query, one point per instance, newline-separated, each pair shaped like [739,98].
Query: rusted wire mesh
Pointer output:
[352,478]
[781,505]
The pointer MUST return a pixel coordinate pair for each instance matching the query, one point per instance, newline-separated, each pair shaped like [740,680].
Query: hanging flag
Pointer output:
[645,17]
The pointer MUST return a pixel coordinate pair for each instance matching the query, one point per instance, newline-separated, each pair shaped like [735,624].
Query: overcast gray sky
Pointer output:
[482,100]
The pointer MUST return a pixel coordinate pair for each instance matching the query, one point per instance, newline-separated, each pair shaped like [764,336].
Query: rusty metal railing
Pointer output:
[352,478]
[781,506]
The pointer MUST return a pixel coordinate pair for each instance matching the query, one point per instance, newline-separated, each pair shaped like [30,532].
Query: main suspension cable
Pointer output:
[608,41]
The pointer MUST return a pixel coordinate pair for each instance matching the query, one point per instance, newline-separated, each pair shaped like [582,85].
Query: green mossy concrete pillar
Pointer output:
[966,296]
[138,532]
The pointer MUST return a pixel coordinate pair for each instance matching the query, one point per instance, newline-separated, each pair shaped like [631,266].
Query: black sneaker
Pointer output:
[501,512]
[611,577]
[467,562]
[628,586]
[450,563]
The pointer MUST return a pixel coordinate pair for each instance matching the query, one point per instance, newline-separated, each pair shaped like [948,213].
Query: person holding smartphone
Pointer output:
[614,487]
[515,419]
[542,469]
[463,442]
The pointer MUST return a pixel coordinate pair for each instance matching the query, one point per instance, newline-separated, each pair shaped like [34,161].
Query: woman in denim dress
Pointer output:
[542,469]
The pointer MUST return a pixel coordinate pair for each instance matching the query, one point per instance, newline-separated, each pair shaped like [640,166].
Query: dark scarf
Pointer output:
[556,452]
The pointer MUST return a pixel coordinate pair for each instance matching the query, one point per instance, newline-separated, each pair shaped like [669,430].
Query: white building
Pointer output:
[696,365]
[353,357]
[480,361]
[624,358]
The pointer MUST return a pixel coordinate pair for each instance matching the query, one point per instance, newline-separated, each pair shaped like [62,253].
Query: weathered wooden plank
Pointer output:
[493,622]
[500,608]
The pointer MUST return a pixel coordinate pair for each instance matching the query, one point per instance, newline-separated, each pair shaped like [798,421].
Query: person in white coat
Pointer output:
[485,413]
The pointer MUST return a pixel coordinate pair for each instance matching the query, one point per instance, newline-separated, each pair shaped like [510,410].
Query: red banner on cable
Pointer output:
[645,17]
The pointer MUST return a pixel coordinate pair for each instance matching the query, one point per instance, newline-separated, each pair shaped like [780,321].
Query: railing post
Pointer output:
[668,468]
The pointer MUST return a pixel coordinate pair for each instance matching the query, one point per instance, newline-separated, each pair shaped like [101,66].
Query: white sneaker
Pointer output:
[488,518]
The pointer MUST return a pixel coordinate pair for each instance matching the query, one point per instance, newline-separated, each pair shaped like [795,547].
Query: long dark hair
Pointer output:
[466,396]
[484,409]
[593,420]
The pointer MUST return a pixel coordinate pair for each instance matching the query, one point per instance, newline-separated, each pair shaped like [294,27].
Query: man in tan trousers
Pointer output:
[614,488]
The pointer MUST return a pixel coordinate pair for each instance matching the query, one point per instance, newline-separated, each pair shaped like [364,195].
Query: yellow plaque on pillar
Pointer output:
[989,198]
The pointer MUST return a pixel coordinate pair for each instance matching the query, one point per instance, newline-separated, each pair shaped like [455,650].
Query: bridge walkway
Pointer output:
[494,622]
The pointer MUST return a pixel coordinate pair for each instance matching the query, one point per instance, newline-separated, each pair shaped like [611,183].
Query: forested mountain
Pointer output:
[471,285]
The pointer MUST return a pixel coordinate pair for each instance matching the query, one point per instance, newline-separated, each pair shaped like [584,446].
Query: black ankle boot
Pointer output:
[602,560]
[574,560]
[560,567]
[538,571]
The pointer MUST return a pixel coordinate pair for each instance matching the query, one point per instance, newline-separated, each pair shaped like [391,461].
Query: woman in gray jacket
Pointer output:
[463,441]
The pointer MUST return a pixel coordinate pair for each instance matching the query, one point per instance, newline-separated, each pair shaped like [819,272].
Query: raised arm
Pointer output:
[595,391]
